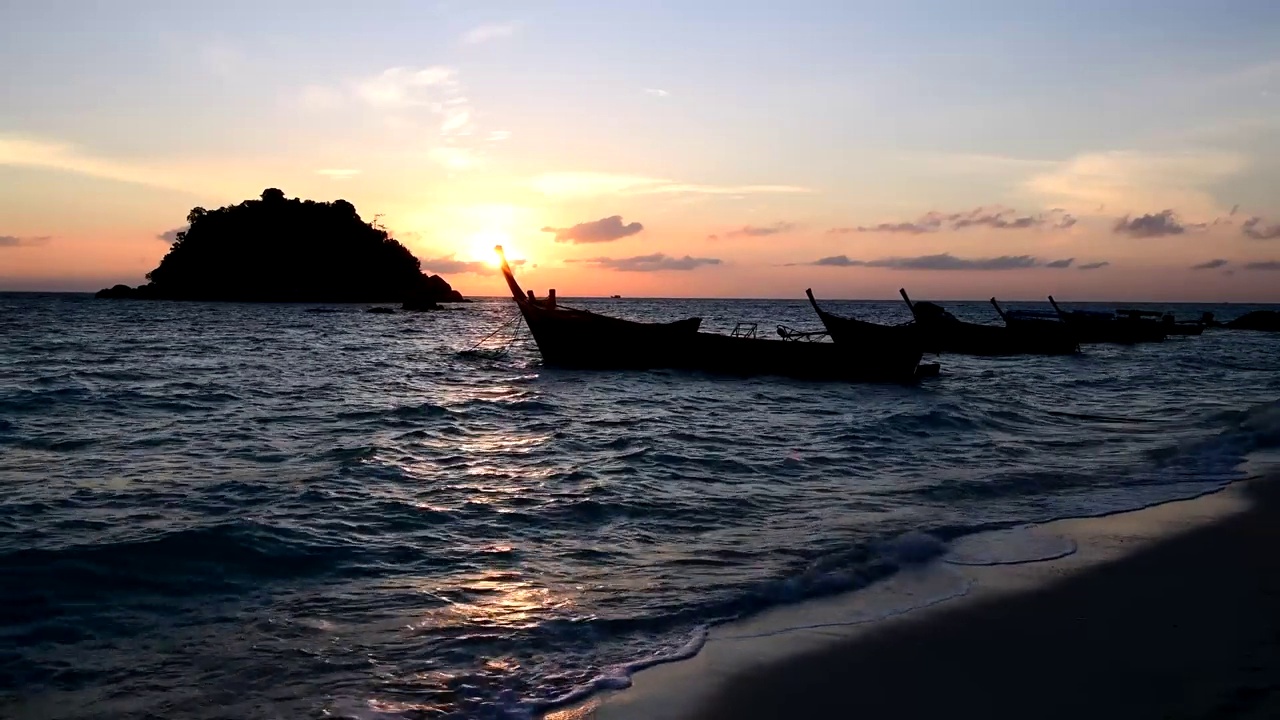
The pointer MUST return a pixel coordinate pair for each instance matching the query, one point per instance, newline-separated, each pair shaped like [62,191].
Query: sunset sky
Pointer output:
[1093,150]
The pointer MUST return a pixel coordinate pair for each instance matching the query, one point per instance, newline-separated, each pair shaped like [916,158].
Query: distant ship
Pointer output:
[616,297]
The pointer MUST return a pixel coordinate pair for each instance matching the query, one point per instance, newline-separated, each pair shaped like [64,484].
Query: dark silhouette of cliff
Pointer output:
[280,250]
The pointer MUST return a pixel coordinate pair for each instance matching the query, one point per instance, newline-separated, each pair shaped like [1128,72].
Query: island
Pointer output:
[274,249]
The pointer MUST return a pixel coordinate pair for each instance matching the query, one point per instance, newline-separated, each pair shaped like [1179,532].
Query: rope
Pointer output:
[503,326]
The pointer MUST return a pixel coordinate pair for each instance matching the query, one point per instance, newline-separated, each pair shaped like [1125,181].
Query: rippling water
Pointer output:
[257,511]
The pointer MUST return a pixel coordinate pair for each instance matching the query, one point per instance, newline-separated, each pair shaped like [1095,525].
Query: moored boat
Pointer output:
[944,332]
[1093,326]
[572,338]
[893,343]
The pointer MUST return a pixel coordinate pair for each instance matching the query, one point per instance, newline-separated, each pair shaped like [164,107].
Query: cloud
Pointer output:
[402,87]
[1093,265]
[995,217]
[761,231]
[428,101]
[942,261]
[1060,264]
[450,265]
[836,261]
[1263,265]
[656,92]
[31,152]
[171,236]
[588,184]
[1159,224]
[596,231]
[1210,265]
[1138,179]
[485,33]
[1254,228]
[15,241]
[649,263]
[338,173]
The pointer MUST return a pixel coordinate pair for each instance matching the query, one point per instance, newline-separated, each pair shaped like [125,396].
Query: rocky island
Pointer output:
[279,250]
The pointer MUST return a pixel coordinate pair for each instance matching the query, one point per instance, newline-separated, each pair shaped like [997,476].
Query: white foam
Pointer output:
[1026,544]
[614,678]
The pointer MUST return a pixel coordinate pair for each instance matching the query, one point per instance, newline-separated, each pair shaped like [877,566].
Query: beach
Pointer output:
[1166,612]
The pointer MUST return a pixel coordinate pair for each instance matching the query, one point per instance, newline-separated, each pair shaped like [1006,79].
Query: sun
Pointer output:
[480,246]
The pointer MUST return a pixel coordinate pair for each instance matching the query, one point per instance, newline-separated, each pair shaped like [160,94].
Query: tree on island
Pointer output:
[280,250]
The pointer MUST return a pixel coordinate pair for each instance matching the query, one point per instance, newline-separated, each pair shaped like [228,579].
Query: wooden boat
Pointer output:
[581,339]
[1092,326]
[573,338]
[944,332]
[894,344]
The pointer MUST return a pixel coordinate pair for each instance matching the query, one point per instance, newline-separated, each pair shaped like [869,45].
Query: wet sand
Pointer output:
[1186,627]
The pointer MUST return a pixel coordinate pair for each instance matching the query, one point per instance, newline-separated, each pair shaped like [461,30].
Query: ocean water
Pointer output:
[260,511]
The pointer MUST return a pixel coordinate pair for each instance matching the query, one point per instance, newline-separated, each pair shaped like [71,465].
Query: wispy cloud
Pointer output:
[485,33]
[994,217]
[1263,265]
[1094,265]
[657,92]
[1254,228]
[1210,265]
[171,236]
[942,261]
[777,228]
[402,87]
[1131,179]
[589,184]
[7,241]
[656,262]
[31,152]
[429,100]
[1060,264]
[596,231]
[338,173]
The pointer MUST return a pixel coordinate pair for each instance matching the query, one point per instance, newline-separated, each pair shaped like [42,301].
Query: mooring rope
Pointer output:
[503,326]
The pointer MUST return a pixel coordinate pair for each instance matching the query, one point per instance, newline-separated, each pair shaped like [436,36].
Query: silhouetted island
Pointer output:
[280,250]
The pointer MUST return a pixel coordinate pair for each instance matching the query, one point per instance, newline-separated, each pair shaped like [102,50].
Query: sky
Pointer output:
[1090,150]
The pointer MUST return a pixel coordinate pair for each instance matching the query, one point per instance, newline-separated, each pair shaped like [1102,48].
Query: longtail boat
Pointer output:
[572,338]
[1093,326]
[944,332]
[582,339]
[898,342]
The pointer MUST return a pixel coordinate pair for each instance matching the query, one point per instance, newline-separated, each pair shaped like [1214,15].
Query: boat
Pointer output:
[897,344]
[572,338]
[944,332]
[1127,328]
[1174,327]
[615,297]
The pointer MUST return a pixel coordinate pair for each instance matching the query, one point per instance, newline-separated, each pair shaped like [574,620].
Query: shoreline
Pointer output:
[965,631]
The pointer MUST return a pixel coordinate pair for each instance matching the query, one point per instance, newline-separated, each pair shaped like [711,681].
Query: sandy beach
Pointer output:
[1167,612]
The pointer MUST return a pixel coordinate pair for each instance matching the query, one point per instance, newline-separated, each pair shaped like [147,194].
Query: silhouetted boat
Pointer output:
[893,344]
[944,332]
[581,339]
[573,338]
[1126,328]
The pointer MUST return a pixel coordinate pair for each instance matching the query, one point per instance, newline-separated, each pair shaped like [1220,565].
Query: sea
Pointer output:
[291,511]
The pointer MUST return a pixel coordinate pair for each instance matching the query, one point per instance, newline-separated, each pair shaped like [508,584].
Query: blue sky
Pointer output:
[739,132]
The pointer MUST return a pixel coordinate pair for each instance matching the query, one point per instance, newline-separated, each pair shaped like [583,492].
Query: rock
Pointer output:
[116,292]
[1257,320]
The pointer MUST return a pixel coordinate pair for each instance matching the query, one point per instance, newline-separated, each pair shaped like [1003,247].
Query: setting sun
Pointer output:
[480,246]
